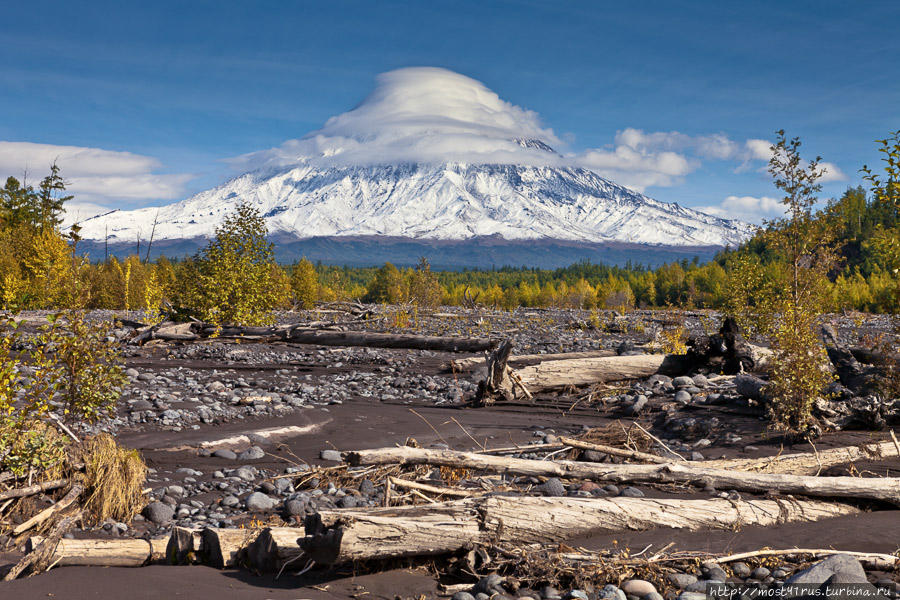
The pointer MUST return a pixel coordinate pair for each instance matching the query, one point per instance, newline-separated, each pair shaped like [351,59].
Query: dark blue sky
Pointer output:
[192,83]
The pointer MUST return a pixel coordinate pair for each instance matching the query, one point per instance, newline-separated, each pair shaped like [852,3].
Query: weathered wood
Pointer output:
[30,490]
[587,371]
[222,548]
[885,489]
[339,536]
[807,463]
[432,489]
[273,548]
[41,554]
[48,512]
[463,365]
[497,385]
[103,552]
[632,454]
[183,546]
[390,340]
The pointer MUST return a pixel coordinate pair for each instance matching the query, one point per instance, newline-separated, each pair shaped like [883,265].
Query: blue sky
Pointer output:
[182,86]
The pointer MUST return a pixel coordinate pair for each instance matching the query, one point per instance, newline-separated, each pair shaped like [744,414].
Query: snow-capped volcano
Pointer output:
[433,155]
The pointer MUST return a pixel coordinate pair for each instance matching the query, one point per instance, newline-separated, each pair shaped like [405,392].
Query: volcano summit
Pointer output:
[430,162]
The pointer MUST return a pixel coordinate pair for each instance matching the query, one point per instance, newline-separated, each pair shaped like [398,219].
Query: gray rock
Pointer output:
[741,569]
[551,487]
[245,473]
[348,502]
[682,381]
[225,453]
[639,403]
[367,487]
[462,596]
[252,453]
[697,586]
[653,596]
[761,573]
[843,564]
[575,595]
[716,573]
[700,380]
[611,592]
[638,587]
[332,455]
[631,492]
[681,580]
[230,501]
[295,508]
[682,396]
[133,373]
[175,491]
[488,585]
[257,501]
[692,596]
[158,513]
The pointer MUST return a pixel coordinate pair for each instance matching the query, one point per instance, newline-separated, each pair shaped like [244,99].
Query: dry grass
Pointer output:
[113,479]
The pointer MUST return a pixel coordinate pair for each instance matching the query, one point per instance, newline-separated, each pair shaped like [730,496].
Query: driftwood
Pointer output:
[183,546]
[871,560]
[222,548]
[103,552]
[463,365]
[632,454]
[50,511]
[886,489]
[807,463]
[30,490]
[339,536]
[274,548]
[302,334]
[40,555]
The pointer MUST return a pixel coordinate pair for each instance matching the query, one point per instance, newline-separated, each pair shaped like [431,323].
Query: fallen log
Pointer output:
[222,548]
[48,512]
[432,489]
[632,454]
[886,489]
[390,340]
[274,548]
[103,552]
[30,490]
[463,365]
[339,536]
[41,554]
[183,546]
[871,560]
[807,463]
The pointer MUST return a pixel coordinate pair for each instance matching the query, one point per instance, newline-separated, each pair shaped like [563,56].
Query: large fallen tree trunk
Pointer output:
[885,489]
[103,553]
[463,365]
[574,372]
[339,536]
[303,335]
[807,463]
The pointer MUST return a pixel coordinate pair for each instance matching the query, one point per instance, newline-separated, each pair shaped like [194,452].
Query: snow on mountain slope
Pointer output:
[430,154]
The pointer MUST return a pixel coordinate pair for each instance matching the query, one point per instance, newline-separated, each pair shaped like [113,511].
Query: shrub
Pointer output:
[305,284]
[237,280]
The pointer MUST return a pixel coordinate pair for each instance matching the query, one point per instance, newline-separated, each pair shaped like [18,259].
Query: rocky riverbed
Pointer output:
[236,433]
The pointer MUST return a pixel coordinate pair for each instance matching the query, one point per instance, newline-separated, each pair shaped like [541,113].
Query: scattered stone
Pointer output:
[225,453]
[741,569]
[252,453]
[158,513]
[638,587]
[551,487]
[257,502]
[681,580]
[846,565]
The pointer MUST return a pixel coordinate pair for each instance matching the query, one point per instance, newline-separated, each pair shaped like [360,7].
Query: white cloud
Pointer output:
[93,175]
[747,208]
[637,169]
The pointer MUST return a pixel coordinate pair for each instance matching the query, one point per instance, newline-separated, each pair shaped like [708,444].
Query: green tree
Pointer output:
[305,284]
[424,288]
[235,273]
[798,373]
[387,285]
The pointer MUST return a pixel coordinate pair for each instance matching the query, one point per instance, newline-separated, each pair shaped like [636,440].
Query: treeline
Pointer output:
[40,266]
